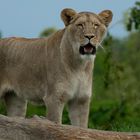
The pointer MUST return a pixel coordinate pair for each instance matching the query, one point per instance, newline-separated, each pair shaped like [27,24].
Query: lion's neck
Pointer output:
[64,52]
[73,60]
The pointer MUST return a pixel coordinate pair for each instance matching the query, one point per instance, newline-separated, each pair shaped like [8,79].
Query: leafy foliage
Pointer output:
[48,32]
[119,89]
[134,17]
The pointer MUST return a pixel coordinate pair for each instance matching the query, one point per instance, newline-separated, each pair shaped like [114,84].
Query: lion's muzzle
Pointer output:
[88,49]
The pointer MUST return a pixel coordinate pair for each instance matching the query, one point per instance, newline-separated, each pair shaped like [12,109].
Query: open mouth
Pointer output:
[87,49]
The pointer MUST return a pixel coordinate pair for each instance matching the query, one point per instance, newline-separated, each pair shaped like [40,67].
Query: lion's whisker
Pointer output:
[99,44]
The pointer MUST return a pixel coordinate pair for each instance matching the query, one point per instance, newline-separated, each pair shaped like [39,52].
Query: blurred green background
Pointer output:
[115,103]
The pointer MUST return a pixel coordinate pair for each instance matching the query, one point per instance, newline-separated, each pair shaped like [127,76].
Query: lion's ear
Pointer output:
[67,15]
[107,16]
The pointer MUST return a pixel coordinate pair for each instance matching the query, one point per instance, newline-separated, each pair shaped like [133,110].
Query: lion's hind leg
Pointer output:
[15,106]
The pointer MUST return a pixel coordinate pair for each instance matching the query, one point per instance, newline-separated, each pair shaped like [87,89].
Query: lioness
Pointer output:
[54,70]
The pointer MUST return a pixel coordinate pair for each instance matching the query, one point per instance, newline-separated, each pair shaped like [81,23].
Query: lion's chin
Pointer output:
[87,49]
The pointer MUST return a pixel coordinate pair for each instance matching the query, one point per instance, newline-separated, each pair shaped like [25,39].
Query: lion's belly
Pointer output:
[26,87]
[27,82]
[31,90]
[34,94]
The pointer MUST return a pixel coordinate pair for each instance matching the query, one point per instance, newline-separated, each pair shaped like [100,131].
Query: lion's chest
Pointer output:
[79,85]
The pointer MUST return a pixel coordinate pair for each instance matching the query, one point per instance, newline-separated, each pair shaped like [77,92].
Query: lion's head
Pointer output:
[86,29]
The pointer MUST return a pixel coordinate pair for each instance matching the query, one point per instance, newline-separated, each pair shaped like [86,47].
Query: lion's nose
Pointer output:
[89,36]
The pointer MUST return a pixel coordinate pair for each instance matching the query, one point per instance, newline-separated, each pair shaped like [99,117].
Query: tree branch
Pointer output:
[42,129]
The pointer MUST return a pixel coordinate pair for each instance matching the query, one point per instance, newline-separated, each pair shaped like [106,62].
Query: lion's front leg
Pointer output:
[79,111]
[55,100]
[54,109]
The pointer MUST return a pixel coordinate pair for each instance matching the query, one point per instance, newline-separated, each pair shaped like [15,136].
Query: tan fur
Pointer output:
[51,70]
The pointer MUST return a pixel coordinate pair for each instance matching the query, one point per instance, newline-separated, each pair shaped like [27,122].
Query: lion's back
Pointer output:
[21,42]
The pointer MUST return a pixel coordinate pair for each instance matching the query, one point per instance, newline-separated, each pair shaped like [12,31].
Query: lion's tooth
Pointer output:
[88,50]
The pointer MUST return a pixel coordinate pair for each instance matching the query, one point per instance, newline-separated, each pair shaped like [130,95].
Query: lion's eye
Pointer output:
[96,26]
[80,25]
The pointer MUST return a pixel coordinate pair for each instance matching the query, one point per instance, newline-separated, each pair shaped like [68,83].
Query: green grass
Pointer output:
[126,127]
[35,110]
[2,108]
